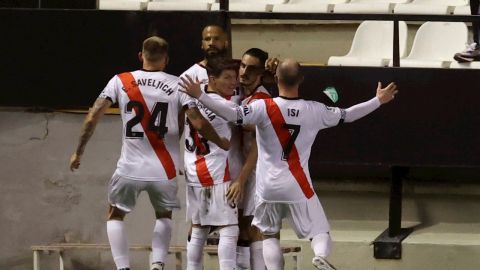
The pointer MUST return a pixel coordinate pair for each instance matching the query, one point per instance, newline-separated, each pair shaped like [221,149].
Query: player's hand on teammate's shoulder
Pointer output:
[224,144]
[74,162]
[386,94]
[190,86]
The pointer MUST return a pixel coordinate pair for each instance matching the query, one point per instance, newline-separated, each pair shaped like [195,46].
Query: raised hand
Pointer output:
[190,86]
[386,94]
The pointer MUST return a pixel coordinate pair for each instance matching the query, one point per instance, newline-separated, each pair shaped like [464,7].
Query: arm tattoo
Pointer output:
[90,123]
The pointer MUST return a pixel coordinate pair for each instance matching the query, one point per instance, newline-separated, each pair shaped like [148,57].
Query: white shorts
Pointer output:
[208,206]
[307,218]
[123,193]
[247,204]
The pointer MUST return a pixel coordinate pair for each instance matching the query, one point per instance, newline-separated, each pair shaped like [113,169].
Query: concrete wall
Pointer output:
[42,202]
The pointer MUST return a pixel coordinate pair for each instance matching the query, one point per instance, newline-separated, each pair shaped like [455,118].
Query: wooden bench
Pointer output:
[60,248]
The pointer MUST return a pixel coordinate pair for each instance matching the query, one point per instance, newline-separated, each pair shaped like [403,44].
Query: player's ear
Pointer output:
[301,79]
[275,77]
[167,59]
[140,57]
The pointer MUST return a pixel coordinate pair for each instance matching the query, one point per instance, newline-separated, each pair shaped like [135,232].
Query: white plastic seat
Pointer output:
[462,10]
[372,45]
[308,6]
[435,44]
[122,4]
[250,7]
[179,5]
[470,65]
[368,6]
[253,5]
[429,7]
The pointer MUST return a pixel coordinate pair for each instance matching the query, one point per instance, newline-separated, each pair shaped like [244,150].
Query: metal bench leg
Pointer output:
[60,260]
[36,260]
[295,262]
[178,260]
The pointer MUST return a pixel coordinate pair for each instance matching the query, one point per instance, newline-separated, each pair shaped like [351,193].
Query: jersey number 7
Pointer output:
[287,148]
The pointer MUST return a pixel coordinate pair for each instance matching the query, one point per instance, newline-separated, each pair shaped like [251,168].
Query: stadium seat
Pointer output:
[471,65]
[462,10]
[429,7]
[368,6]
[435,44]
[122,4]
[307,6]
[372,45]
[179,5]
[251,5]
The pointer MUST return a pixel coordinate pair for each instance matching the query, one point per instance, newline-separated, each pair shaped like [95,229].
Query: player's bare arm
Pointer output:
[237,189]
[206,129]
[95,113]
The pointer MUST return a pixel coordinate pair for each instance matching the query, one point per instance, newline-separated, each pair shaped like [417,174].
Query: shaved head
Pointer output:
[214,41]
[289,73]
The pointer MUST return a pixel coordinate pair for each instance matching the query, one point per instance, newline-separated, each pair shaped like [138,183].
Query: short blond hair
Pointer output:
[154,48]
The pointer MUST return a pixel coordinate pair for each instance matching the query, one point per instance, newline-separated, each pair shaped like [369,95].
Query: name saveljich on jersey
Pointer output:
[155,84]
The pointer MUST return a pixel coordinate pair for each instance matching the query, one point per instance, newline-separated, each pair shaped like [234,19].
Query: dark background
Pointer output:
[64,58]
[57,58]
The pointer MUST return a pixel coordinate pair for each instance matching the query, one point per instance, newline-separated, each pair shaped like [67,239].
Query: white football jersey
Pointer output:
[149,103]
[206,164]
[286,130]
[199,72]
[248,137]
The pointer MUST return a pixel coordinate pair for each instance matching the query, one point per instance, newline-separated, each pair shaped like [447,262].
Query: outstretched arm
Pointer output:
[97,111]
[205,128]
[226,111]
[384,95]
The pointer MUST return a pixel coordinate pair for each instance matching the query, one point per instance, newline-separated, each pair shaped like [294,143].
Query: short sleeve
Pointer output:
[110,91]
[329,116]
[253,113]
[185,100]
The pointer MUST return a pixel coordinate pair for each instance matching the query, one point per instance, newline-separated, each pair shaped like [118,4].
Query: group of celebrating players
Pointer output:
[245,157]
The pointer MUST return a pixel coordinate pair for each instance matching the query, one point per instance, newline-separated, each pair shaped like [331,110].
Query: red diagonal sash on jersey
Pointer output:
[283,135]
[258,95]
[204,176]
[226,175]
[133,92]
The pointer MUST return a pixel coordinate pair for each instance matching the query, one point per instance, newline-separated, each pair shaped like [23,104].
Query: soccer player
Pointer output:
[286,128]
[214,43]
[208,175]
[149,102]
[242,190]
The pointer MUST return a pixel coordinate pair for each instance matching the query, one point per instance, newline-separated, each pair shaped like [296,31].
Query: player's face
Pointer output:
[250,71]
[213,41]
[225,84]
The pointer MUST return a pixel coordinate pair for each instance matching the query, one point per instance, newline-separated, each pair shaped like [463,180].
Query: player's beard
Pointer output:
[209,54]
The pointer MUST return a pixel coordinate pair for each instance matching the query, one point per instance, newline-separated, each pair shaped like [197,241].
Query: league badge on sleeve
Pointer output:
[331,93]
